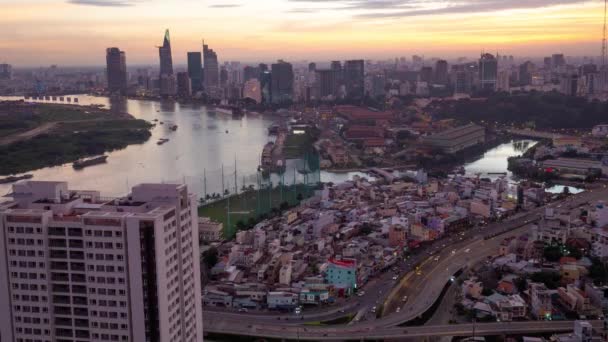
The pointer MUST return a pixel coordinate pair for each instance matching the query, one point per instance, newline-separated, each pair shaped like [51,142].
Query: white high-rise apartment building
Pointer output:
[75,266]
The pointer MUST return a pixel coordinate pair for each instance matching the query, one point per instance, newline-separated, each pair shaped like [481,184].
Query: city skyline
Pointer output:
[296,29]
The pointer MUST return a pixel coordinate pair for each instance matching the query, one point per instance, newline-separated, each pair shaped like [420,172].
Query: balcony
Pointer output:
[77,266]
[76,255]
[58,254]
[57,243]
[81,312]
[57,299]
[76,243]
[63,321]
[59,266]
[62,310]
[59,277]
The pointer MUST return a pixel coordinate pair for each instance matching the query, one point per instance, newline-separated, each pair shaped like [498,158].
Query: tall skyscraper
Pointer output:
[326,83]
[211,68]
[558,61]
[6,71]
[116,68]
[195,71]
[282,82]
[250,72]
[525,73]
[166,60]
[426,74]
[488,72]
[252,89]
[76,266]
[167,79]
[265,83]
[354,78]
[184,85]
[336,67]
[441,72]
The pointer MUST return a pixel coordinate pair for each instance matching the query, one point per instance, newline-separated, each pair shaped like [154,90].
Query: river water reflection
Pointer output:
[204,141]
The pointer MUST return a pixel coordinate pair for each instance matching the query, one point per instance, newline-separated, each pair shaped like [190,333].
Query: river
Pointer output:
[203,142]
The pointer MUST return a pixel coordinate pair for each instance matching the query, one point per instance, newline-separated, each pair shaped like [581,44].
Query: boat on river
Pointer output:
[12,179]
[82,163]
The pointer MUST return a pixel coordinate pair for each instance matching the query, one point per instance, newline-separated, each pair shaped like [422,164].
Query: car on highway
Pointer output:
[374,309]
[398,310]
[404,299]
[395,277]
[361,293]
[243,310]
[298,310]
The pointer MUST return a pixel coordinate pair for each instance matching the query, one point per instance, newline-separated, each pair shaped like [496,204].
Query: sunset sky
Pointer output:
[76,32]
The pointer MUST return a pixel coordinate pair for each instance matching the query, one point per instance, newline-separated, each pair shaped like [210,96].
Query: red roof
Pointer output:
[360,113]
[374,142]
[343,262]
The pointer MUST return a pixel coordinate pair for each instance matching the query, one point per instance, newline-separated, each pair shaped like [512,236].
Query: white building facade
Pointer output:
[75,266]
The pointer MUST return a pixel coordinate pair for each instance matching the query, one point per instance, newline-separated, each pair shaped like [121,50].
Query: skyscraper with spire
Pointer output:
[167,78]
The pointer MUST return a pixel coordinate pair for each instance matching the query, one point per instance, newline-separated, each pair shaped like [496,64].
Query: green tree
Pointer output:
[550,279]
[210,257]
[553,253]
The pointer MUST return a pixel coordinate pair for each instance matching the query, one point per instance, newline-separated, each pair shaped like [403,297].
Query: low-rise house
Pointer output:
[342,274]
[209,230]
[540,300]
[217,298]
[281,300]
[472,288]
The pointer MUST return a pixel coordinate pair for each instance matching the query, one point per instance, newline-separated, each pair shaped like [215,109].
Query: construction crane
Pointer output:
[604,38]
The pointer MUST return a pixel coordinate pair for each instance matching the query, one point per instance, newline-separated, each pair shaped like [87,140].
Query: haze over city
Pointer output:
[76,32]
[315,170]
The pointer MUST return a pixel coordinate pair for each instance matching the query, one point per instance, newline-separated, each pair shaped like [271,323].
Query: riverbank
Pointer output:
[44,135]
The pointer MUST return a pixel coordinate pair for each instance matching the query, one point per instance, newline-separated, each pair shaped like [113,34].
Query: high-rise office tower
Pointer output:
[312,67]
[462,78]
[250,72]
[569,84]
[488,72]
[195,71]
[426,74]
[441,72]
[354,78]
[525,73]
[252,89]
[326,83]
[281,82]
[547,63]
[336,67]
[76,266]
[6,71]
[184,84]
[223,76]
[265,83]
[116,68]
[167,79]
[558,61]
[378,84]
[211,71]
[164,52]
